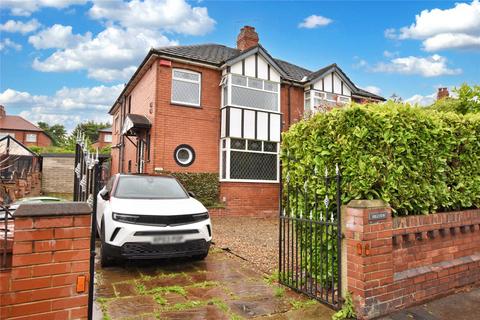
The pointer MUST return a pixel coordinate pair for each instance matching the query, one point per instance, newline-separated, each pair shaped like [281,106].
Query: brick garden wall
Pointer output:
[57,176]
[393,263]
[50,250]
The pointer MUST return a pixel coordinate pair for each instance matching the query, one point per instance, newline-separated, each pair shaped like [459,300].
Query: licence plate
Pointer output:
[167,239]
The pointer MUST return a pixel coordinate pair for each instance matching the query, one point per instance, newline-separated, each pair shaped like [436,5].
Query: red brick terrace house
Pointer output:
[22,130]
[211,108]
[104,138]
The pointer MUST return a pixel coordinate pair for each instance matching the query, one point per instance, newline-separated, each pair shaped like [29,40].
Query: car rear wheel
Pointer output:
[105,259]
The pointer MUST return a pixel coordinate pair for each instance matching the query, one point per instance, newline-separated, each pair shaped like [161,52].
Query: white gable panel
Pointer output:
[262,126]
[318,85]
[328,82]
[236,68]
[337,84]
[274,75]
[346,90]
[250,66]
[249,124]
[262,68]
[275,127]
[235,123]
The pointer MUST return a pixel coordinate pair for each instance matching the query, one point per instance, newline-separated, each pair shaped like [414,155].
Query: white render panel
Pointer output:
[346,90]
[249,124]
[317,85]
[262,68]
[250,66]
[224,123]
[337,84]
[236,68]
[262,126]
[328,82]
[274,127]
[235,122]
[274,75]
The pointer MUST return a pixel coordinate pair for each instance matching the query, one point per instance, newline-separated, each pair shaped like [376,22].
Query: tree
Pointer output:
[395,98]
[89,129]
[57,132]
[467,100]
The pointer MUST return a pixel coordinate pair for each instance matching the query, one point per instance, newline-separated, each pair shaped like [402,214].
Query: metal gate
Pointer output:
[88,180]
[310,235]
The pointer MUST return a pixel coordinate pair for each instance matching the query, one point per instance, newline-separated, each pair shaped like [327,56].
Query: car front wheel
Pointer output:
[105,259]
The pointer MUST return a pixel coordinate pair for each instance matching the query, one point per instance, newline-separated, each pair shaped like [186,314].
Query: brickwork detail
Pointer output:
[57,174]
[49,253]
[399,262]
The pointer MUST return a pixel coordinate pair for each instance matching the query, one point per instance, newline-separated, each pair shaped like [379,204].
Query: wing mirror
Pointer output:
[191,194]
[104,194]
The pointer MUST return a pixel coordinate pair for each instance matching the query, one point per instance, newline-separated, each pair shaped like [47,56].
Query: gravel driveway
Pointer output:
[253,239]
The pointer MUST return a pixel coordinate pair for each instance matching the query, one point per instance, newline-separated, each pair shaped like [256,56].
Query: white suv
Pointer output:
[149,217]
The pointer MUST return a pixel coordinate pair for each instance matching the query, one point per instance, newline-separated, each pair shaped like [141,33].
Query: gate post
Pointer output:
[369,270]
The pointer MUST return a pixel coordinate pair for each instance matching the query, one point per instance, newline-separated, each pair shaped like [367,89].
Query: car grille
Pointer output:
[144,249]
[163,221]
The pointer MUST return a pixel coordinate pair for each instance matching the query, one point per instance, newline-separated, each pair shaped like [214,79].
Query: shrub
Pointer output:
[417,160]
[204,185]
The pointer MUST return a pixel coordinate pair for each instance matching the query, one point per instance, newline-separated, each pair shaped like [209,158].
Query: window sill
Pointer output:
[178,104]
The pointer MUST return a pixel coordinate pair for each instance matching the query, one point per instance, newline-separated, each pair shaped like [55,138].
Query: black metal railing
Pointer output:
[6,223]
[310,235]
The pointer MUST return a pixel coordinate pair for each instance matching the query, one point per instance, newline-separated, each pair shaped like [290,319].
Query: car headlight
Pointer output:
[200,216]
[126,218]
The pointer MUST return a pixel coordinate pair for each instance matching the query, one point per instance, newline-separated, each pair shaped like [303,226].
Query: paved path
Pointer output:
[220,287]
[460,306]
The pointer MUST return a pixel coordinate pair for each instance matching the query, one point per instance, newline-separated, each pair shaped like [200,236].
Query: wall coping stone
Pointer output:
[367,204]
[53,209]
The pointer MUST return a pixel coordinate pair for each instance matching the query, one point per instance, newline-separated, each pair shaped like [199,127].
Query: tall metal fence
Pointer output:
[310,235]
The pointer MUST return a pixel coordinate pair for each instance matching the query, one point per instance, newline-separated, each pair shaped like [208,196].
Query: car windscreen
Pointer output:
[147,187]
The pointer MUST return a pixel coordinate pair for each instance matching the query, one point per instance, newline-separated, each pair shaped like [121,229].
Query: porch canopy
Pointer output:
[16,160]
[135,124]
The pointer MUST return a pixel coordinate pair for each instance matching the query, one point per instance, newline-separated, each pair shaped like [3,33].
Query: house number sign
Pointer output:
[376,216]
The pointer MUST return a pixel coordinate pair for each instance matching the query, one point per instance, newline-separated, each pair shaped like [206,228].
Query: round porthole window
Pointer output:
[184,155]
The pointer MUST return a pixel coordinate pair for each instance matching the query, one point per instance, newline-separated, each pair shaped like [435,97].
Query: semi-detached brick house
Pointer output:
[211,108]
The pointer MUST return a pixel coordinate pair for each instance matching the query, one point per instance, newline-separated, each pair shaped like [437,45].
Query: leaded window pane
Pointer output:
[271,86]
[239,80]
[254,99]
[253,166]
[255,145]
[186,92]
[237,144]
[186,75]
[254,83]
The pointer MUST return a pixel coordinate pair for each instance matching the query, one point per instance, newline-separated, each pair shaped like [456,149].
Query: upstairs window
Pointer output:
[107,138]
[254,93]
[31,137]
[186,87]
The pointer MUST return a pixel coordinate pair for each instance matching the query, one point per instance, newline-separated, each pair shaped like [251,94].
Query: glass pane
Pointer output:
[307,104]
[271,86]
[239,80]
[307,94]
[186,92]
[255,99]
[255,145]
[237,144]
[253,166]
[186,75]
[254,83]
[148,187]
[270,146]
[224,164]
[330,96]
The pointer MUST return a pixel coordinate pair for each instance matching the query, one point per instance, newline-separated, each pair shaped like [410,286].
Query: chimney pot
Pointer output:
[2,111]
[247,38]
[442,93]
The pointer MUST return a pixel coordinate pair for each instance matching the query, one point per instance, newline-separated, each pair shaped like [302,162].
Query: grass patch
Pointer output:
[103,306]
[298,304]
[279,292]
[159,299]
[206,284]
[141,289]
[271,279]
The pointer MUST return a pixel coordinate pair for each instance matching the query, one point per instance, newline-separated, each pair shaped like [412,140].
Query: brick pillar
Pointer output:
[51,249]
[368,235]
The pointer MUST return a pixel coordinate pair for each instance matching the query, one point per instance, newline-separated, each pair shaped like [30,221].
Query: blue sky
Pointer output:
[65,61]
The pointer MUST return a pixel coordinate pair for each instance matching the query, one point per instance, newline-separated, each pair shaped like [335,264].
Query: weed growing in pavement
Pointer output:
[103,306]
[159,299]
[206,284]
[141,288]
[279,292]
[188,305]
[220,304]
[271,279]
[298,304]
[234,316]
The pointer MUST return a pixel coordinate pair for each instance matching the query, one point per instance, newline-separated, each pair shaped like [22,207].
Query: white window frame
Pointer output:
[312,98]
[199,82]
[28,137]
[108,140]
[230,85]
[228,149]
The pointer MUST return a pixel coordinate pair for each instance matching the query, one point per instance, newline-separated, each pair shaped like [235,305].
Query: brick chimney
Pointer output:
[442,93]
[247,38]
[2,111]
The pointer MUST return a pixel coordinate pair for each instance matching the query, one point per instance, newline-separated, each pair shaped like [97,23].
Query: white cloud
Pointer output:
[454,28]
[390,54]
[166,15]
[19,26]
[373,89]
[422,100]
[112,53]
[431,66]
[27,7]
[58,36]
[67,106]
[7,43]
[314,21]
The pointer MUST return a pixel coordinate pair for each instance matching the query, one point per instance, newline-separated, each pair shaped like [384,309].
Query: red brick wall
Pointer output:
[42,139]
[405,261]
[48,255]
[294,113]
[250,199]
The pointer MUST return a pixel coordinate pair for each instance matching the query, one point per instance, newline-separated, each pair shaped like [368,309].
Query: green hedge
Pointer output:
[420,161]
[205,186]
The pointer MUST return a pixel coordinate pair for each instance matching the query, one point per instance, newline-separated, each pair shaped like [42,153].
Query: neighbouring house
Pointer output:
[104,138]
[22,130]
[212,108]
